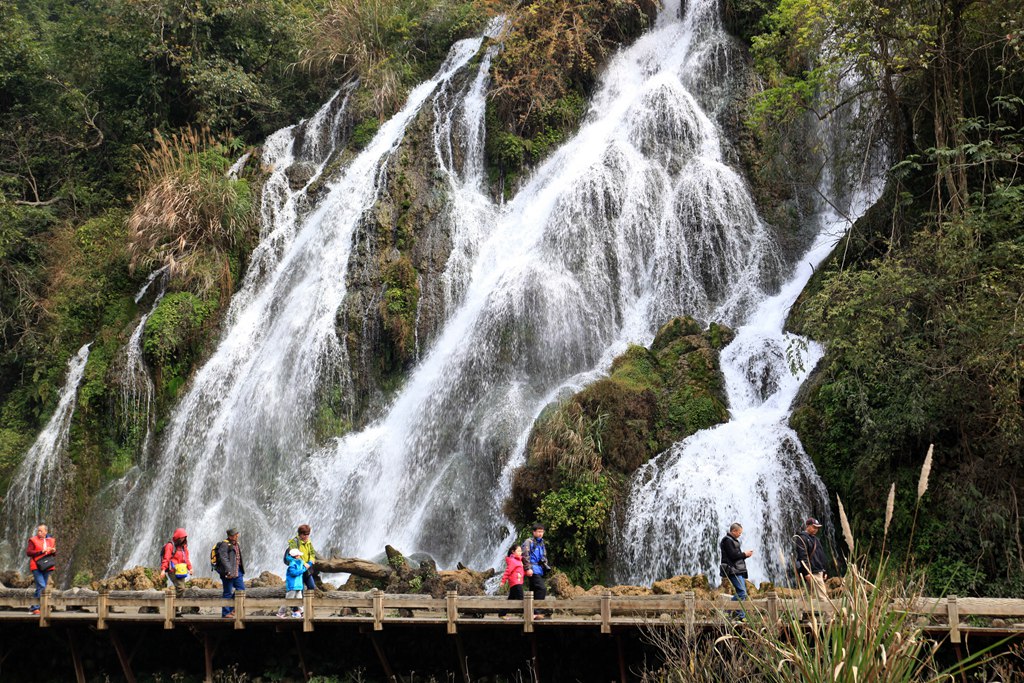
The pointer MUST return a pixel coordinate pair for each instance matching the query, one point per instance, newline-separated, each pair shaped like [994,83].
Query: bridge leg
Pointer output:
[122,656]
[382,657]
[76,657]
[460,652]
[534,659]
[208,650]
[302,657]
[622,657]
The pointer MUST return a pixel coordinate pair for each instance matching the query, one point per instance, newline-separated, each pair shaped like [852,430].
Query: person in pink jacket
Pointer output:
[514,574]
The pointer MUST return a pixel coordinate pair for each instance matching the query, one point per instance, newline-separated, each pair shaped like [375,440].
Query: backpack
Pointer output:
[213,557]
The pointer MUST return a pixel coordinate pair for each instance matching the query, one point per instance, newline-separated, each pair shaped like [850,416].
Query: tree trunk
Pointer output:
[353,565]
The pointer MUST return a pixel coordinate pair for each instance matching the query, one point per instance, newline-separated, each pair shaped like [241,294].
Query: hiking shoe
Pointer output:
[296,615]
[229,615]
[35,611]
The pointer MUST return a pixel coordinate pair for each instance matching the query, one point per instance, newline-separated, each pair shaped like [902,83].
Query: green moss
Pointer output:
[364,131]
[173,339]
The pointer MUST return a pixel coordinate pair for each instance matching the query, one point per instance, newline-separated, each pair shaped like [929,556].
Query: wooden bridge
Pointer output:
[200,611]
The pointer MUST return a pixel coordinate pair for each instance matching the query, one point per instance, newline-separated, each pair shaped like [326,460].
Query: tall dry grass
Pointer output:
[570,442]
[189,215]
[383,43]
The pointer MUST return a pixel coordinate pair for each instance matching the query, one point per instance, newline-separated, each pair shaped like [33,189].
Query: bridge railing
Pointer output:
[948,614]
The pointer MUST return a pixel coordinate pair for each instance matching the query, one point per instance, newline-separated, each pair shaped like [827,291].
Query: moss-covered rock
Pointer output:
[581,451]
[173,339]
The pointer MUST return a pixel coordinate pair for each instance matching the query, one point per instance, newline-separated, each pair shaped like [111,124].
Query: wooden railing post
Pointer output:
[45,605]
[773,611]
[378,609]
[953,610]
[307,611]
[528,612]
[606,612]
[169,607]
[453,612]
[690,601]
[102,607]
[240,609]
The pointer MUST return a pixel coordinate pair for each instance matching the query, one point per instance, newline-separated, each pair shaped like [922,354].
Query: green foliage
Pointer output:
[363,133]
[173,337]
[577,517]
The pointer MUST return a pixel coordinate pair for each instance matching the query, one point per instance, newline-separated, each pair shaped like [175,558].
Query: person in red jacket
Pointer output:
[41,550]
[514,573]
[175,563]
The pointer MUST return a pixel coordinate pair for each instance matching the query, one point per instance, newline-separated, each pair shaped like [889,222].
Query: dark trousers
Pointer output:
[308,582]
[230,586]
[538,586]
[514,593]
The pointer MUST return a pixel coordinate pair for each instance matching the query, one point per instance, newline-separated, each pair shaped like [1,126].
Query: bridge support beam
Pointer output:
[122,656]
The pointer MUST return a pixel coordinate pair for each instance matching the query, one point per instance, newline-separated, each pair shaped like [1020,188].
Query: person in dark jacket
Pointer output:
[535,561]
[231,568]
[734,565]
[810,558]
[41,549]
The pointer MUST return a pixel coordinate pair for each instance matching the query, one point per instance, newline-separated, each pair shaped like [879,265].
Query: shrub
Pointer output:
[190,215]
[388,44]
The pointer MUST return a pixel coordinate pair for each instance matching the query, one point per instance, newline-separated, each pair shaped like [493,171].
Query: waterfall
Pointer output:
[637,219]
[136,384]
[752,469]
[242,430]
[36,483]
[633,221]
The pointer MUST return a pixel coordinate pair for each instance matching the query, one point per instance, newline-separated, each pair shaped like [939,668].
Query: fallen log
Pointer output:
[353,565]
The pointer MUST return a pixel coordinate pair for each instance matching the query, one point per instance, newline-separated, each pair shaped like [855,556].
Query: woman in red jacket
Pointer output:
[41,549]
[175,562]
[513,575]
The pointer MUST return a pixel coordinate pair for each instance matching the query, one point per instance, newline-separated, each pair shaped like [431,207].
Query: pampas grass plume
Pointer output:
[890,505]
[847,533]
[926,469]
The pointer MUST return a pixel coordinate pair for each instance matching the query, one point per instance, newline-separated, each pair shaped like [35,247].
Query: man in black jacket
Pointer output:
[231,568]
[734,565]
[810,558]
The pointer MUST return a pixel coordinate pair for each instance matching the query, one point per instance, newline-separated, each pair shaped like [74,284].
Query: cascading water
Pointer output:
[37,480]
[136,384]
[752,469]
[636,220]
[243,428]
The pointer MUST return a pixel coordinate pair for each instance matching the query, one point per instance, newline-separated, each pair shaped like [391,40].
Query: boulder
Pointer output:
[12,579]
[265,580]
[134,579]
[465,581]
[680,584]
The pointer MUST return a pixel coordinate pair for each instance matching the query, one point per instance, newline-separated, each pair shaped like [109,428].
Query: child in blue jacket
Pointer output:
[293,580]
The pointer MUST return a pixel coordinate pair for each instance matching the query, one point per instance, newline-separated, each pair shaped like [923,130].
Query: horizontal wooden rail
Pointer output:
[951,614]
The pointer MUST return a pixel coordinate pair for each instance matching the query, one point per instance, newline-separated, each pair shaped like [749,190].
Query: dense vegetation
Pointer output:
[920,306]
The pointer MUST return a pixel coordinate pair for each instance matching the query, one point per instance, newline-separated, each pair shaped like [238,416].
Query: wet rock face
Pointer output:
[299,174]
[395,301]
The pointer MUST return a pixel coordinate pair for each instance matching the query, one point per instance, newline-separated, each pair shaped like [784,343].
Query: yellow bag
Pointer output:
[180,570]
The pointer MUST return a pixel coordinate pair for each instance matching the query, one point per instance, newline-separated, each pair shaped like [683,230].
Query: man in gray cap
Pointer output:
[228,563]
[810,558]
